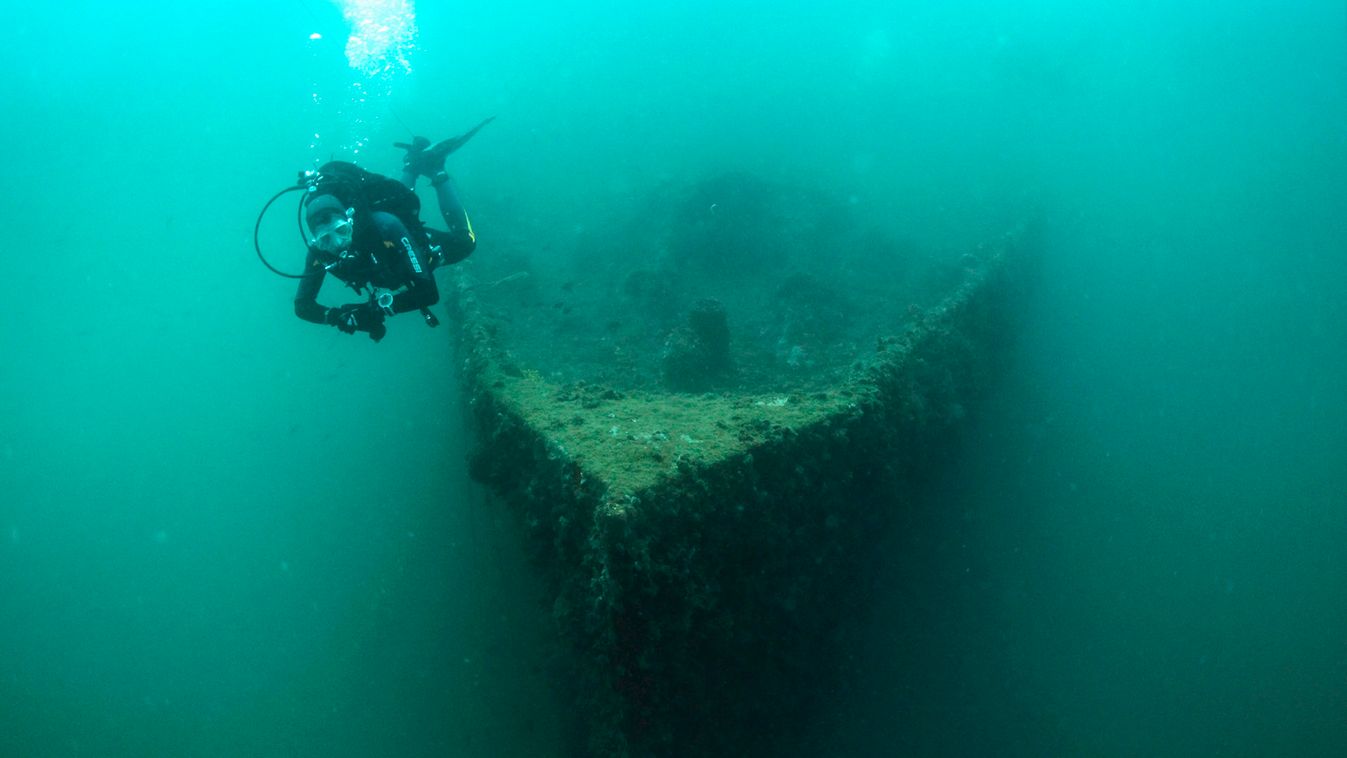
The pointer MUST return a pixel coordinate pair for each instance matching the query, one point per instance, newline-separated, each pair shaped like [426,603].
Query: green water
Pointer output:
[224,531]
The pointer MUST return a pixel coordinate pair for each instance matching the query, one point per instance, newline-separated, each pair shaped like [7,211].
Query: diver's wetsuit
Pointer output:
[389,258]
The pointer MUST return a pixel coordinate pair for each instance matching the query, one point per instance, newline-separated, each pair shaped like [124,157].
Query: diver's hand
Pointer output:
[344,318]
[359,317]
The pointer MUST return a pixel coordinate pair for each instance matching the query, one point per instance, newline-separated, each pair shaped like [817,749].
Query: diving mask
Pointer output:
[333,235]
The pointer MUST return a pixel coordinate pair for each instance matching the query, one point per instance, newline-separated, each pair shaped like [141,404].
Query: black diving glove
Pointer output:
[359,317]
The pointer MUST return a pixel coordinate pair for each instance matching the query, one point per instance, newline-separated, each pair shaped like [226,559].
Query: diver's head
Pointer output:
[330,221]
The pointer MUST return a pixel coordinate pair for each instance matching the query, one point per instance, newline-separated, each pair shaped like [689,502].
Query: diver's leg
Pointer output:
[451,208]
[460,240]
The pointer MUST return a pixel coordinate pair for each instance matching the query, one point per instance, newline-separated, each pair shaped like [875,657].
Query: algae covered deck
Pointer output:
[634,441]
[704,539]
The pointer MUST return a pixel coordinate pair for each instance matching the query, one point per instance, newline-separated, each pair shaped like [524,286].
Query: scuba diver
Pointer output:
[364,229]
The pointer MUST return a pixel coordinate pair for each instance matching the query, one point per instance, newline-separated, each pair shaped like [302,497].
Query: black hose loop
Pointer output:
[257,229]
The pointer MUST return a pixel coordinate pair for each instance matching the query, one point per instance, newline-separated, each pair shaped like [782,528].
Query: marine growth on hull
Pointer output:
[704,423]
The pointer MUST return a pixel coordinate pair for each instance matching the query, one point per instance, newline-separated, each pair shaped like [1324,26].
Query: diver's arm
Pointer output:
[411,263]
[421,291]
[350,318]
[306,298]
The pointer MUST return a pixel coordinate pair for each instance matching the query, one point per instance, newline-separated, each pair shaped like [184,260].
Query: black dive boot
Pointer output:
[419,161]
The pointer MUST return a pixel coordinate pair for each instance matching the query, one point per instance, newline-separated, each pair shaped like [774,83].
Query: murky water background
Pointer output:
[224,531]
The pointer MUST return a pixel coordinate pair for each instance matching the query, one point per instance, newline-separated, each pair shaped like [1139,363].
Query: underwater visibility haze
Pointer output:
[225,531]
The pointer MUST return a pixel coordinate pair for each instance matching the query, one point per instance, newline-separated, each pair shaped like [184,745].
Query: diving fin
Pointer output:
[421,152]
[442,149]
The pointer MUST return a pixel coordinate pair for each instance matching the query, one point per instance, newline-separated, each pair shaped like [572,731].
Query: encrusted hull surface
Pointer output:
[704,549]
